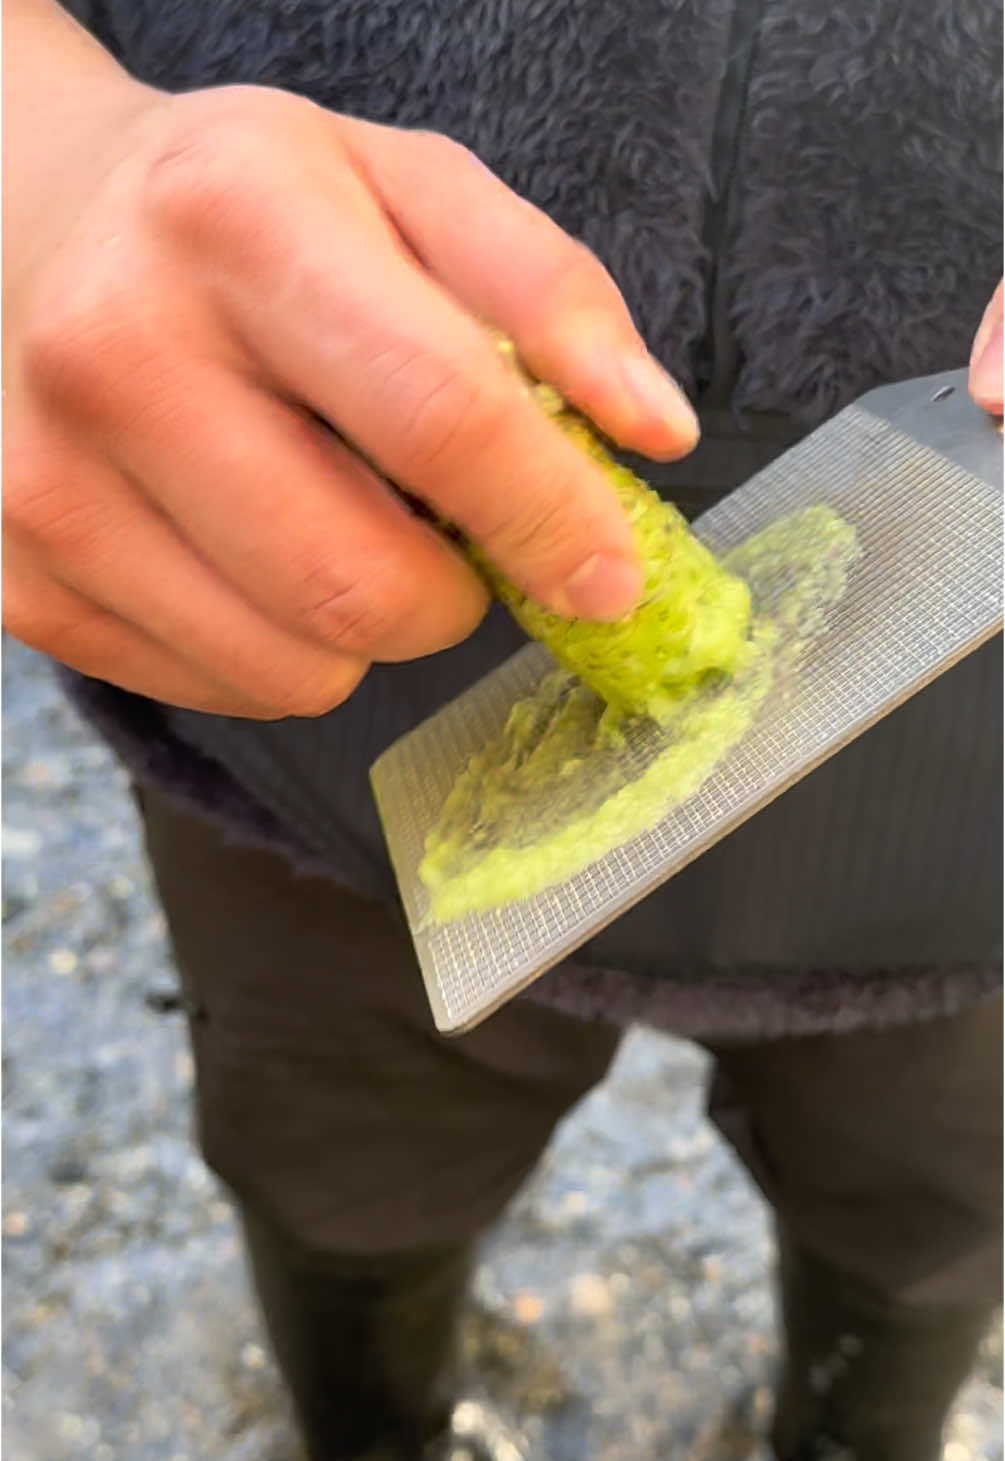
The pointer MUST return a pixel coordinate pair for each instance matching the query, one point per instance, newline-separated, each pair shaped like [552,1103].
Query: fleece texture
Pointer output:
[599,112]
[863,240]
[799,201]
[867,194]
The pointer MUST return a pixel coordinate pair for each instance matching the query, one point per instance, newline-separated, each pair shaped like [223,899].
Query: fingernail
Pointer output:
[605,587]
[659,395]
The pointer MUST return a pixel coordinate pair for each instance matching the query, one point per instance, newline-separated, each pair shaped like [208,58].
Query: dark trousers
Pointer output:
[367,1153]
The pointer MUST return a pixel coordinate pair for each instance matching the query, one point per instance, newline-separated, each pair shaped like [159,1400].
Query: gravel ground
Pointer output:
[621,1309]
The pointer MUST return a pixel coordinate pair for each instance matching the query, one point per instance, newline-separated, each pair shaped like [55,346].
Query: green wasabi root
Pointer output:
[691,624]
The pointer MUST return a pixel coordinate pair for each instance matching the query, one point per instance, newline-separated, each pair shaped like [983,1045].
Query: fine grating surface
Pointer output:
[926,591]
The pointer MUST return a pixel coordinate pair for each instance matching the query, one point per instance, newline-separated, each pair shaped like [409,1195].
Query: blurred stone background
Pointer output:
[621,1310]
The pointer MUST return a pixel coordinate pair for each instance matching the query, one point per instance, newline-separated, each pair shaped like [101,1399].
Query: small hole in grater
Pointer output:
[942,393]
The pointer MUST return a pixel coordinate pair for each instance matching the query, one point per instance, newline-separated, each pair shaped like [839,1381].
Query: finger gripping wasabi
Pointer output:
[691,624]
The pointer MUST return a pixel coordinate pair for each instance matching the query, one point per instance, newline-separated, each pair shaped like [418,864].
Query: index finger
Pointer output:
[347,321]
[508,262]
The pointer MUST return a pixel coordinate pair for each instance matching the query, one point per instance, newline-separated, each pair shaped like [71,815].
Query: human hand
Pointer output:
[986,358]
[224,268]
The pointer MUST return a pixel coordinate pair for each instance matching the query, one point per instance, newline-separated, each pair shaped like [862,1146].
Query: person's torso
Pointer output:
[799,201]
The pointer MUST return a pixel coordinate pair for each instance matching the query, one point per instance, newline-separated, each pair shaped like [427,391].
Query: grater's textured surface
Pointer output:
[928,591]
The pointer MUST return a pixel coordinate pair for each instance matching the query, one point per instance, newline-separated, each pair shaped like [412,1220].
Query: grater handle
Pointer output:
[937,411]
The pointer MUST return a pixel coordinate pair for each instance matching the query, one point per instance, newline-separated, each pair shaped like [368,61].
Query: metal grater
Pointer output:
[916,468]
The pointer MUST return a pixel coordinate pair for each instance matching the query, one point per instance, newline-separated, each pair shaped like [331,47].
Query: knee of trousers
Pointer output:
[347,1156]
[326,1099]
[881,1154]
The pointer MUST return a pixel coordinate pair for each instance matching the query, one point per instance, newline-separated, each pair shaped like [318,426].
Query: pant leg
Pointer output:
[881,1155]
[367,1152]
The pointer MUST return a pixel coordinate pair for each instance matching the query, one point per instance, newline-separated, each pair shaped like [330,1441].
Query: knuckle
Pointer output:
[352,609]
[538,530]
[64,348]
[34,494]
[199,181]
[42,508]
[81,346]
[72,532]
[102,359]
[44,353]
[442,410]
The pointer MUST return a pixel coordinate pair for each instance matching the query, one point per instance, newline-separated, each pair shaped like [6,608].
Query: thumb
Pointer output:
[986,358]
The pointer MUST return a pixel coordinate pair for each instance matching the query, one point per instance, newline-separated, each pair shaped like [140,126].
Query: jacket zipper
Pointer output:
[718,355]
